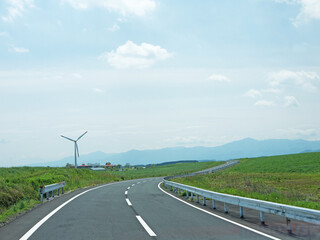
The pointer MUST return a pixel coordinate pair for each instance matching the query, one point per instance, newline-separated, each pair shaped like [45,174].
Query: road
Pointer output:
[136,209]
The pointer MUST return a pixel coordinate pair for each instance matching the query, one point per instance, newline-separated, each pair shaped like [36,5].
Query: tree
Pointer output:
[127,165]
[69,165]
[108,163]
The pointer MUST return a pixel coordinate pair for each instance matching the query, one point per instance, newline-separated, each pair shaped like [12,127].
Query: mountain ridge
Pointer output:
[247,147]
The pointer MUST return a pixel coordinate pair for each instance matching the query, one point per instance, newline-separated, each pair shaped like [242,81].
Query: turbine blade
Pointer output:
[67,138]
[77,149]
[81,136]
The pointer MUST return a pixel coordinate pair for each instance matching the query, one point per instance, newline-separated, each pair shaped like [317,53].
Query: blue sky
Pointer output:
[144,74]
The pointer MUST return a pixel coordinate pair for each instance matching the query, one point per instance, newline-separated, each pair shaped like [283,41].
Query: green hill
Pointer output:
[289,179]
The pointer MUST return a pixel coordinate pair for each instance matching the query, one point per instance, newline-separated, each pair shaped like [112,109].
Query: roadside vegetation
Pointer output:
[19,185]
[165,170]
[288,179]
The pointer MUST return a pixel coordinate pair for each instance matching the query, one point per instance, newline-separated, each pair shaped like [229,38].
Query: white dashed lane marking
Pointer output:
[140,219]
[145,226]
[128,201]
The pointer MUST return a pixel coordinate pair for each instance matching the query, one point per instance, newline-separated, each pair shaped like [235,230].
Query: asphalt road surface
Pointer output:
[136,209]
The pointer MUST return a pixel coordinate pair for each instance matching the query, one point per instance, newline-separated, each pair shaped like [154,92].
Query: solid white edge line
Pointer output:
[43,220]
[126,192]
[225,219]
[128,201]
[145,226]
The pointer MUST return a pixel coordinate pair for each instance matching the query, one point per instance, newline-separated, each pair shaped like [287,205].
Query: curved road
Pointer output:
[136,209]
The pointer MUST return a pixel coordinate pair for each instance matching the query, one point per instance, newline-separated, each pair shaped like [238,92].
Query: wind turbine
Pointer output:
[76,149]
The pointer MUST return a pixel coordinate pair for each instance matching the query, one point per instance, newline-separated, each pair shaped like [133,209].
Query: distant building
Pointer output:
[84,166]
[110,166]
[98,169]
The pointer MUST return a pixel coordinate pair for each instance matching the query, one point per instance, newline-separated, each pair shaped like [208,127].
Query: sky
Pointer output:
[149,74]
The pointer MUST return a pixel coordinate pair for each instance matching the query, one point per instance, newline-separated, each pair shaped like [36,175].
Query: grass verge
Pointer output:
[19,186]
[288,179]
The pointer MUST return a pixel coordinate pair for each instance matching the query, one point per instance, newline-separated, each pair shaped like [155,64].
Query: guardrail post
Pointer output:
[187,194]
[47,189]
[179,191]
[262,217]
[241,212]
[287,211]
[204,201]
[289,226]
[191,198]
[226,208]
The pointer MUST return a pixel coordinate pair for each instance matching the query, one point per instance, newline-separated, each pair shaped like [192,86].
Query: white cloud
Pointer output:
[122,20]
[3,141]
[131,55]
[294,132]
[303,79]
[16,9]
[4,34]
[264,103]
[97,90]
[272,90]
[124,7]
[18,49]
[114,28]
[310,9]
[189,141]
[219,78]
[76,75]
[291,101]
[253,93]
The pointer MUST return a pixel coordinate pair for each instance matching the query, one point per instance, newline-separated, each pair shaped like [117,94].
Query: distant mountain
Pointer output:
[247,147]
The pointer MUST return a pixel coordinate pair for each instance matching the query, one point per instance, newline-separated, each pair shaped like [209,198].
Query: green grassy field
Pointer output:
[166,170]
[289,179]
[19,186]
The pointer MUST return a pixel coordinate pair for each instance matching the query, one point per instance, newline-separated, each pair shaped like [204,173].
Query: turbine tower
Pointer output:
[76,149]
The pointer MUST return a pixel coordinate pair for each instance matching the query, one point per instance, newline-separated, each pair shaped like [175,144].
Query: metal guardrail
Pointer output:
[290,212]
[51,188]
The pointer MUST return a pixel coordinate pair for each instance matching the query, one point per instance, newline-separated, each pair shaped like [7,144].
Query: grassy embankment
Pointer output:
[288,179]
[19,186]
